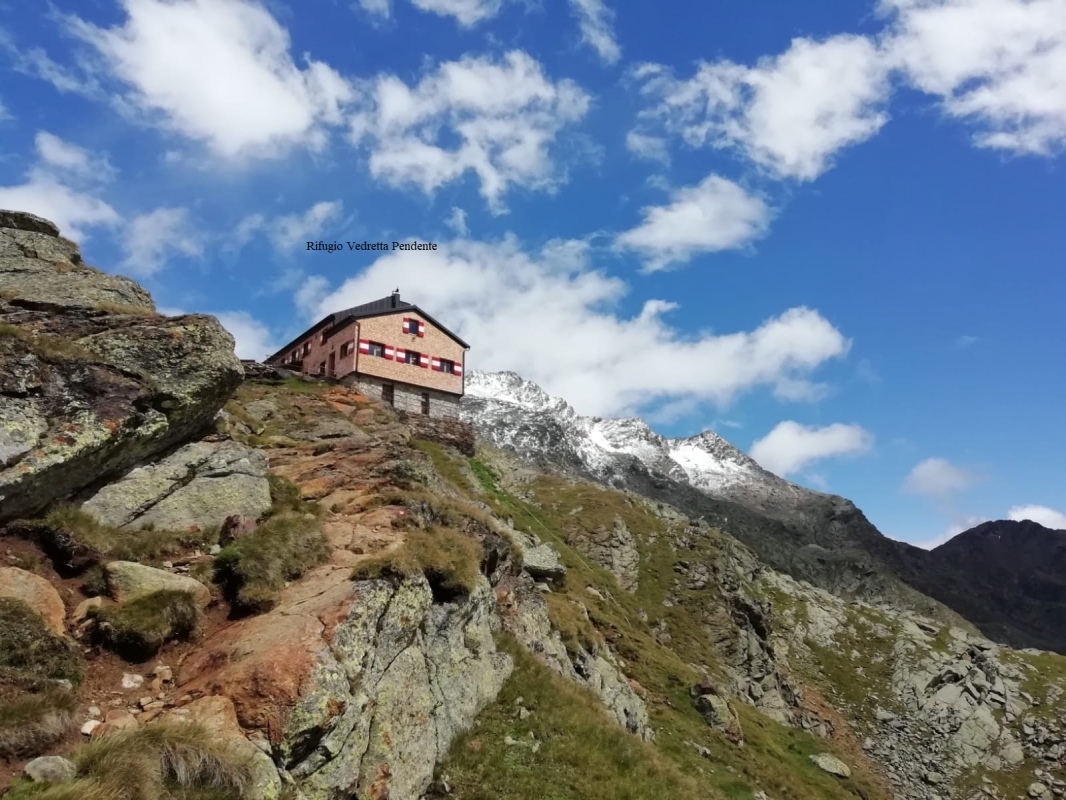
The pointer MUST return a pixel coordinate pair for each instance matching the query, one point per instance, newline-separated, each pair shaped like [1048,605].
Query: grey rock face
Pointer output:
[197,486]
[91,380]
[377,680]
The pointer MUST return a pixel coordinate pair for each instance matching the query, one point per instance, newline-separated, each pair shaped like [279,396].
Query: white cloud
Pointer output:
[149,239]
[505,115]
[791,447]
[466,12]
[715,215]
[69,158]
[4,113]
[62,186]
[642,145]
[550,316]
[596,22]
[1048,517]
[790,113]
[457,222]
[999,64]
[289,231]
[218,72]
[964,341]
[254,339]
[938,478]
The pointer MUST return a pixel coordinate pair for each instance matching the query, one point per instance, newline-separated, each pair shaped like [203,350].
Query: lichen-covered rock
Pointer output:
[91,380]
[37,593]
[127,580]
[197,486]
[360,687]
[525,615]
[50,769]
[39,266]
[832,765]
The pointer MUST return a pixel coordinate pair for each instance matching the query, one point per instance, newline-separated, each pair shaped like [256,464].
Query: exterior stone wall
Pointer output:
[449,432]
[408,398]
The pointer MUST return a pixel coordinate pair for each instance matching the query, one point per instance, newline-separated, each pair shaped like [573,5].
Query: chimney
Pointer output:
[396,297]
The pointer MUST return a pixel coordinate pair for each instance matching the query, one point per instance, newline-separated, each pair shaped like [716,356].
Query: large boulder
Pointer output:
[92,380]
[37,593]
[128,580]
[197,486]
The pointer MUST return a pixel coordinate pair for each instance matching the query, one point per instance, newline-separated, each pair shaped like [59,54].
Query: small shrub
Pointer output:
[256,567]
[139,627]
[450,561]
[158,761]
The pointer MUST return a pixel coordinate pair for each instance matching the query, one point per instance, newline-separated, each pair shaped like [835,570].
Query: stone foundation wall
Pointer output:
[408,398]
[448,432]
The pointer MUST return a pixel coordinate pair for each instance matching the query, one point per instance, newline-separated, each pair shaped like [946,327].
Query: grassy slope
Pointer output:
[774,758]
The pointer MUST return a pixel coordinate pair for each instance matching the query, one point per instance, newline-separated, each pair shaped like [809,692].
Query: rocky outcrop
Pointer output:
[92,381]
[359,688]
[616,551]
[197,486]
[525,615]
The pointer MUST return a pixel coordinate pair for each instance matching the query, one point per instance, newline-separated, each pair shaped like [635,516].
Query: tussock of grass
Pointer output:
[431,509]
[583,754]
[577,631]
[256,567]
[34,711]
[139,627]
[450,561]
[47,346]
[160,761]
[74,539]
[27,646]
[285,498]
[30,722]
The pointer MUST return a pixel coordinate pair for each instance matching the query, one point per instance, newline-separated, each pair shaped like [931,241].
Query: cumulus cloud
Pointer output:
[596,23]
[997,64]
[937,478]
[652,148]
[466,12]
[791,447]
[290,231]
[505,114]
[149,239]
[550,315]
[1048,517]
[714,215]
[218,72]
[789,113]
[254,340]
[63,185]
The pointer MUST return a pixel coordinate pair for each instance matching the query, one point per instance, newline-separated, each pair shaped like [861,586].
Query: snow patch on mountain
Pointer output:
[516,413]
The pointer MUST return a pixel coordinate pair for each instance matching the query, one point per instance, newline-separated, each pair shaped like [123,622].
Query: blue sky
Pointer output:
[831,231]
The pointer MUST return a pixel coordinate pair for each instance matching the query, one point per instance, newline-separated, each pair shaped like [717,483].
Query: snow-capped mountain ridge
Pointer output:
[516,413]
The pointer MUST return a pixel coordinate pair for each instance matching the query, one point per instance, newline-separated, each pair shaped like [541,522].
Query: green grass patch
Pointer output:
[450,560]
[446,466]
[28,646]
[285,498]
[583,755]
[160,761]
[138,628]
[253,569]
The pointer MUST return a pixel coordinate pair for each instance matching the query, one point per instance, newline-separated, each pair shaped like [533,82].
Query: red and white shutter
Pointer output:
[457,369]
[421,327]
[364,345]
[423,360]
[435,364]
[390,352]
[401,354]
